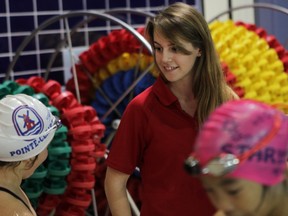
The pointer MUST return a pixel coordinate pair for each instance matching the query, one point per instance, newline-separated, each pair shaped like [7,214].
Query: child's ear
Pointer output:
[28,163]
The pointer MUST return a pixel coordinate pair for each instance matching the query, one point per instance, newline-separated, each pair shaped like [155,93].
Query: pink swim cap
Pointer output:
[246,128]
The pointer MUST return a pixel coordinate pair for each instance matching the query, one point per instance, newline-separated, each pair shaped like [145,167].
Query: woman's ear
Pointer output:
[199,53]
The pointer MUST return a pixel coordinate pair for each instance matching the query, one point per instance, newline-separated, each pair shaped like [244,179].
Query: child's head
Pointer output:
[26,127]
[240,155]
[246,136]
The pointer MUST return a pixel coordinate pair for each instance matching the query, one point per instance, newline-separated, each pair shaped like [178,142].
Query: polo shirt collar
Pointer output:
[163,93]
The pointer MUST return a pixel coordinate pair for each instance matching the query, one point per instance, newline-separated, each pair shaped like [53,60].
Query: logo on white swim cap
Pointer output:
[27,121]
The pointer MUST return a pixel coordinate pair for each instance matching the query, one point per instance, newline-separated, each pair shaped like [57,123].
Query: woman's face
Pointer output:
[173,63]
[241,197]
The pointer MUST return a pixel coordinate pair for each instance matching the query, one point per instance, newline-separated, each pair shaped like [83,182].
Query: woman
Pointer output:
[241,155]
[26,129]
[158,125]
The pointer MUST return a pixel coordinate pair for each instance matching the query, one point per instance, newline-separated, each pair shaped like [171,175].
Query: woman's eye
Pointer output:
[157,48]
[174,49]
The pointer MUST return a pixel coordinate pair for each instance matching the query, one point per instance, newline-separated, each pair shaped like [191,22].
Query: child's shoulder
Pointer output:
[11,206]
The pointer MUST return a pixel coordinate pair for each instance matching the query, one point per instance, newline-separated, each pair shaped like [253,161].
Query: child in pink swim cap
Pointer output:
[240,156]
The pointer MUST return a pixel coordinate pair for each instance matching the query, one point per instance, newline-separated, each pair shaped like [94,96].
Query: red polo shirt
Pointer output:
[156,135]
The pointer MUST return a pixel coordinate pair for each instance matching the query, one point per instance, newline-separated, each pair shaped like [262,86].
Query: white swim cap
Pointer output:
[26,127]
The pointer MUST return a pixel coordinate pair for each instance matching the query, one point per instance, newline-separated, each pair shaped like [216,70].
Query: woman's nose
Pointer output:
[166,56]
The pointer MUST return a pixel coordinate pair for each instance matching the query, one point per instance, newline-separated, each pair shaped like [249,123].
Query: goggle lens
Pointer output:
[57,123]
[219,166]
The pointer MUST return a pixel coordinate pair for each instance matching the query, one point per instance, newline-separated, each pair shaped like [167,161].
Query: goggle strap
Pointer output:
[265,141]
